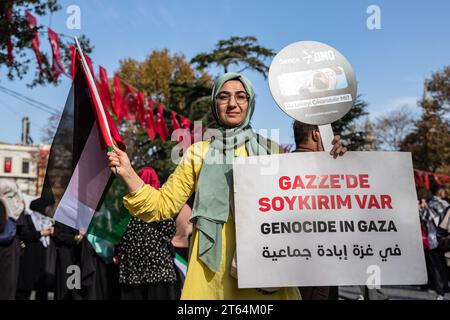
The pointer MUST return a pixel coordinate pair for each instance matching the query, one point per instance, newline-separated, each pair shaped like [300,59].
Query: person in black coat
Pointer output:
[80,272]
[32,275]
[68,253]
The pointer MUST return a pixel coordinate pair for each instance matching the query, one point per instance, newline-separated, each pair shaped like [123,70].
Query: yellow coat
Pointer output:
[151,205]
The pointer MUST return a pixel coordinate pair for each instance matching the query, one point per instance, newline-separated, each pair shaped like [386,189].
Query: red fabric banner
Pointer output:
[103,85]
[73,61]
[150,120]
[118,99]
[32,23]
[9,44]
[141,108]
[130,103]
[427,180]
[185,123]
[57,66]
[436,178]
[175,124]
[420,178]
[161,126]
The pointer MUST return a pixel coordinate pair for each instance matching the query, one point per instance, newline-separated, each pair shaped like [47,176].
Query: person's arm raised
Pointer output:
[121,166]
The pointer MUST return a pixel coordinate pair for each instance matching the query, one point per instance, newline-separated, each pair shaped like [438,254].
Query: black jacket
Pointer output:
[31,272]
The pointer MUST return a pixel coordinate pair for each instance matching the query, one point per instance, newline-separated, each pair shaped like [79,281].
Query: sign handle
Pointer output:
[327,135]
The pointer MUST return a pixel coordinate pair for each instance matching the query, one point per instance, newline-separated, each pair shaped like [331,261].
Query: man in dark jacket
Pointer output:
[32,274]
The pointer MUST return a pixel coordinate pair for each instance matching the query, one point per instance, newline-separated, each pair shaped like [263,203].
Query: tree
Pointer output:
[242,52]
[21,35]
[429,142]
[438,88]
[49,131]
[353,136]
[392,128]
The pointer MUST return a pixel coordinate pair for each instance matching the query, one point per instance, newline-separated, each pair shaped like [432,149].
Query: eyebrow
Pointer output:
[241,91]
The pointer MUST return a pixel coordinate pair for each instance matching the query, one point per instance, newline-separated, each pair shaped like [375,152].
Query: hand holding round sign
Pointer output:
[313,83]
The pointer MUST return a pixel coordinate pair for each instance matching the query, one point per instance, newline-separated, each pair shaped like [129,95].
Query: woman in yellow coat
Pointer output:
[206,169]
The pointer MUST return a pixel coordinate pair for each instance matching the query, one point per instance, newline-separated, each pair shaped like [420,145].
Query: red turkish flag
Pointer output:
[175,124]
[73,60]
[141,108]
[420,178]
[183,135]
[161,126]
[9,44]
[103,85]
[57,66]
[427,180]
[130,103]
[150,120]
[32,23]
[118,99]
[185,123]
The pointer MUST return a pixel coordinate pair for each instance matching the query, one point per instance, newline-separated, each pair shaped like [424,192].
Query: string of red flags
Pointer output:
[423,178]
[124,102]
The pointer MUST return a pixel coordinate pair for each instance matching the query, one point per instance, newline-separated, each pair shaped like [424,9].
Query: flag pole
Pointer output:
[110,143]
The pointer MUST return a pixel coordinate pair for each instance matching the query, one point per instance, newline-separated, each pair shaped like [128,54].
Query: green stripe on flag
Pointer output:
[180,259]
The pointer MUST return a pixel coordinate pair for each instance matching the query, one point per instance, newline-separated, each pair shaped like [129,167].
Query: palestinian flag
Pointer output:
[78,175]
[181,264]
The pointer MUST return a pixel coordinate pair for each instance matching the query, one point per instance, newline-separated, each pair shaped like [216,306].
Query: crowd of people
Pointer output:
[43,259]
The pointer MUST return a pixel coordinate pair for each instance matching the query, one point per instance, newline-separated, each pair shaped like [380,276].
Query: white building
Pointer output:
[25,164]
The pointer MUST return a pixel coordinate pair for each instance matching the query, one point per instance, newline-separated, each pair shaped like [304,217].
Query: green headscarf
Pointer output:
[212,199]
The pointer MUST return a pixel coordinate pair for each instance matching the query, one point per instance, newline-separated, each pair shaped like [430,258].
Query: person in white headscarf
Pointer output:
[11,206]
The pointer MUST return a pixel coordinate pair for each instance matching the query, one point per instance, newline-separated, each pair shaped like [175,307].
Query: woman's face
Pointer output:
[232,103]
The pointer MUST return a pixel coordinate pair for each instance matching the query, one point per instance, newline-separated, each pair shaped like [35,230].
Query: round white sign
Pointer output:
[312,82]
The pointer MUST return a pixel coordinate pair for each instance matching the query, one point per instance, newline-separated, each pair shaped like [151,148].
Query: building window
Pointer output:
[25,166]
[8,165]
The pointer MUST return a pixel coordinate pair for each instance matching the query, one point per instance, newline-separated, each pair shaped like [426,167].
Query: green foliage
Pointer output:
[352,137]
[241,52]
[430,140]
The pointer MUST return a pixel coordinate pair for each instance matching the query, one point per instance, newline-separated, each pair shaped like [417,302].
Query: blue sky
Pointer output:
[390,64]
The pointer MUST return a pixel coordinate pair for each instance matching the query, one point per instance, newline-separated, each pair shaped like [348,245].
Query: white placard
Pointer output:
[318,221]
